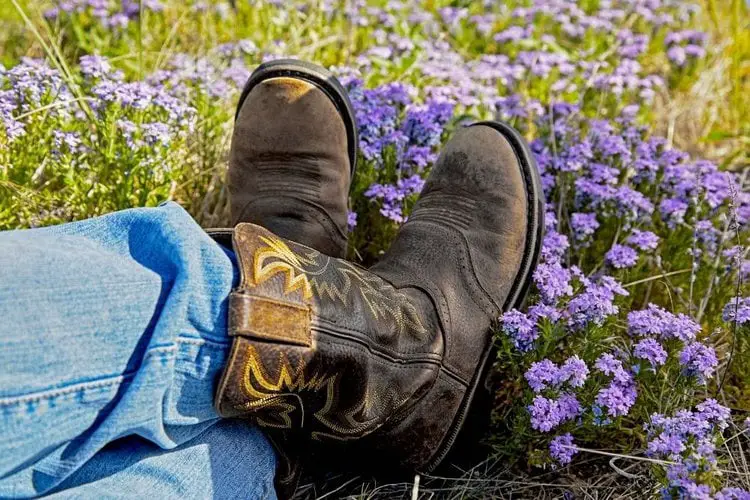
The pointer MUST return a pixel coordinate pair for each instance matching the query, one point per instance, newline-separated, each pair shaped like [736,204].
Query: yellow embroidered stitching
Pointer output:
[289,379]
[380,298]
[288,264]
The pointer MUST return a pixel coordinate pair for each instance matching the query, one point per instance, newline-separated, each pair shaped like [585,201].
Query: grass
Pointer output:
[718,128]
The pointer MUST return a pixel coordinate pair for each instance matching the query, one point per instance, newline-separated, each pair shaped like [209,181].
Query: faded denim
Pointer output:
[112,336]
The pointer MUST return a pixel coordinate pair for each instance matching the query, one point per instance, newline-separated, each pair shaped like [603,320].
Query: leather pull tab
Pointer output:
[267,319]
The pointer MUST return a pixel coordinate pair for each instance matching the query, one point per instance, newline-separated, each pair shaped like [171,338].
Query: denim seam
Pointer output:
[67,390]
[82,386]
[213,344]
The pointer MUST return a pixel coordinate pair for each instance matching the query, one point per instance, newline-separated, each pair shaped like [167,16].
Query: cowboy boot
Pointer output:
[293,155]
[388,360]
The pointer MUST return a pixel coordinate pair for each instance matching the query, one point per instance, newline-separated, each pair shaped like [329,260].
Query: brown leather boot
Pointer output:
[293,155]
[389,359]
[292,159]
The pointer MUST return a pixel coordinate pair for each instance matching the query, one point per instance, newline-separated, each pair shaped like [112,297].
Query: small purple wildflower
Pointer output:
[520,328]
[546,414]
[621,256]
[542,374]
[562,449]
[643,240]
[593,305]
[584,225]
[650,350]
[738,309]
[699,360]
[351,220]
[617,398]
[553,282]
[574,371]
[655,321]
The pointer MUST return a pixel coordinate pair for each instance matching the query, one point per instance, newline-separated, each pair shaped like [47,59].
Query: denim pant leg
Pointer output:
[227,461]
[112,329]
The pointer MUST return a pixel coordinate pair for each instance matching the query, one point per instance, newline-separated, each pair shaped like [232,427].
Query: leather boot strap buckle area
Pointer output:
[266,319]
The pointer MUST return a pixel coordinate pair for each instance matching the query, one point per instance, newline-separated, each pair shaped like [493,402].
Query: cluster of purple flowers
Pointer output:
[737,310]
[620,395]
[549,413]
[655,321]
[683,46]
[546,374]
[392,196]
[112,14]
[688,440]
[27,86]
[621,256]
[562,448]
[395,129]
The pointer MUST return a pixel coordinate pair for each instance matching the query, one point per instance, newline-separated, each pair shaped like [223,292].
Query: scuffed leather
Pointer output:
[372,351]
[289,164]
[395,349]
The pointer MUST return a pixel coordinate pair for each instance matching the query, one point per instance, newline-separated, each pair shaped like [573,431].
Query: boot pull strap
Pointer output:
[262,260]
[267,319]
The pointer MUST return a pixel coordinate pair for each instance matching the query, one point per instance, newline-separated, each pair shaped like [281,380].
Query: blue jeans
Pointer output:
[112,336]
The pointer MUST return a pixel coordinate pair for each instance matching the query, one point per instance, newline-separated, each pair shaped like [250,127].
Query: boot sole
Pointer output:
[521,285]
[322,79]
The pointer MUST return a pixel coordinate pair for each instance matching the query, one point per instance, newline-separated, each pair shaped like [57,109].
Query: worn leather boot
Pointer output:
[388,360]
[293,155]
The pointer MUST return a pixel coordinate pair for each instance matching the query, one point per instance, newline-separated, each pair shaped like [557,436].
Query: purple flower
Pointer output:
[650,350]
[67,141]
[714,413]
[546,413]
[554,246]
[542,374]
[688,438]
[574,371]
[562,449]
[541,311]
[738,309]
[96,67]
[695,51]
[673,211]
[655,321]
[513,33]
[351,220]
[667,445]
[609,365]
[521,330]
[618,398]
[677,55]
[594,304]
[553,282]
[699,360]
[156,134]
[569,406]
[584,225]
[732,493]
[621,256]
[643,240]
[392,196]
